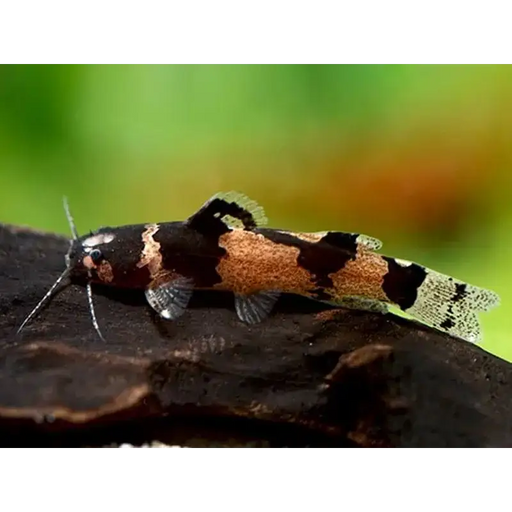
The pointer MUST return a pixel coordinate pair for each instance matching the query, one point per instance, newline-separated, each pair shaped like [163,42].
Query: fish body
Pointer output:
[225,246]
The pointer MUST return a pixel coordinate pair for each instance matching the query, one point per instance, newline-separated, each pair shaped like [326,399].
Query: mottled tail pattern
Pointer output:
[448,304]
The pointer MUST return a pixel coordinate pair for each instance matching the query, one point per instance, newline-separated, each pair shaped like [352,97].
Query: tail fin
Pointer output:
[444,302]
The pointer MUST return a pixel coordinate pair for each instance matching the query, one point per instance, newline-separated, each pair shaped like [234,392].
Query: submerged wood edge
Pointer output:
[309,376]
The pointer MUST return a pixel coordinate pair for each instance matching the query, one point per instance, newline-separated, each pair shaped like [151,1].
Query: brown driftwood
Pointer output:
[308,376]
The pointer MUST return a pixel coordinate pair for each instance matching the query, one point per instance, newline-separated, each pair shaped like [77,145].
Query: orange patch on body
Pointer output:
[105,272]
[87,261]
[308,237]
[151,255]
[254,263]
[361,277]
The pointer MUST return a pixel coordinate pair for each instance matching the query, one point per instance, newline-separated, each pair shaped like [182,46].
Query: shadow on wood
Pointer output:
[308,376]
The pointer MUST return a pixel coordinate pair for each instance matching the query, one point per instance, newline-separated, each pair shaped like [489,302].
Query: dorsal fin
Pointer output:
[227,210]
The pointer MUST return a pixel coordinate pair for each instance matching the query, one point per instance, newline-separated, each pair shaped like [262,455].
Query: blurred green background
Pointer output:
[418,156]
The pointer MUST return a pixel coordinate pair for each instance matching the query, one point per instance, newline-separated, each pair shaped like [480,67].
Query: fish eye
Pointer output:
[96,256]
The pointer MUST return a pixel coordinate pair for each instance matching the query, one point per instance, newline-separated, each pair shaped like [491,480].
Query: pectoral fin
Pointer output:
[170,299]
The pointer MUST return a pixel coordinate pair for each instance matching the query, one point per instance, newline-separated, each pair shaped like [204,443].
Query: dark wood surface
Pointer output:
[308,376]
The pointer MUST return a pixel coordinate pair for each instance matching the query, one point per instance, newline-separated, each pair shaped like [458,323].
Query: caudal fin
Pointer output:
[441,301]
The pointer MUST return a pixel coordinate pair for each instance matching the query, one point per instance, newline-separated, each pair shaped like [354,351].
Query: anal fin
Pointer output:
[254,308]
[362,304]
[171,298]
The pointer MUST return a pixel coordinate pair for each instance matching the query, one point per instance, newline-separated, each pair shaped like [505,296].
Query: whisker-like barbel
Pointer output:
[46,298]
[71,222]
[93,314]
[51,292]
